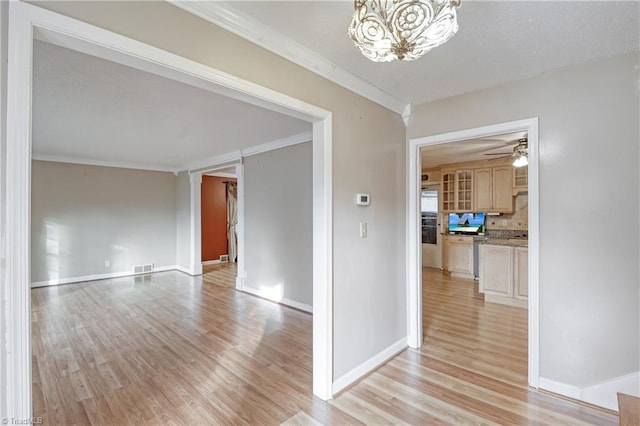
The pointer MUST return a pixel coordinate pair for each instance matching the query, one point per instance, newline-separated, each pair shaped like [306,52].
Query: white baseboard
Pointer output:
[96,277]
[211,262]
[559,388]
[185,270]
[369,365]
[282,301]
[605,394]
[601,394]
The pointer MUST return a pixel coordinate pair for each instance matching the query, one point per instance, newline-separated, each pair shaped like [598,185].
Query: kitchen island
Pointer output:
[503,274]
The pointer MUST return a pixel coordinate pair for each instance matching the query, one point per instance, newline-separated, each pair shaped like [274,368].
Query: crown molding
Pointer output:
[210,163]
[264,36]
[278,143]
[91,162]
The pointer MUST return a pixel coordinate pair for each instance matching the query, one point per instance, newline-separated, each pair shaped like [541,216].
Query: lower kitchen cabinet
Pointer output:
[504,274]
[458,252]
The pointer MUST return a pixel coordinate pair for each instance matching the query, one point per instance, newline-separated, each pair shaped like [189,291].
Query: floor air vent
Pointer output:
[141,269]
[224,258]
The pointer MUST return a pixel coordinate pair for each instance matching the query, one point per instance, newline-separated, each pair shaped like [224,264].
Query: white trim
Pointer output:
[278,143]
[195,223]
[18,212]
[414,270]
[282,301]
[322,258]
[564,389]
[184,270]
[221,174]
[211,262]
[215,162]
[242,274]
[369,365]
[605,394]
[264,36]
[91,162]
[96,277]
[24,18]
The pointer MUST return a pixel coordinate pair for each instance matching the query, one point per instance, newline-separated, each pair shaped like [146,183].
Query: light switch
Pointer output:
[363,229]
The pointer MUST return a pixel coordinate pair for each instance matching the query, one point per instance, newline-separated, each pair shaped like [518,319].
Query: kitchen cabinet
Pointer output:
[459,256]
[448,191]
[521,272]
[492,190]
[445,253]
[464,191]
[520,179]
[504,274]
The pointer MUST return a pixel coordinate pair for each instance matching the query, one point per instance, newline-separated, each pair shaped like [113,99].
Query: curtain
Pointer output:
[232,220]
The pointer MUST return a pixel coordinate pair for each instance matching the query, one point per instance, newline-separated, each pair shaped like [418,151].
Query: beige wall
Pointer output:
[278,223]
[589,152]
[4,9]
[82,216]
[369,274]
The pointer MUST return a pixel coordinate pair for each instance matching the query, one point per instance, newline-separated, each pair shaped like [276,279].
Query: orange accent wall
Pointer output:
[214,217]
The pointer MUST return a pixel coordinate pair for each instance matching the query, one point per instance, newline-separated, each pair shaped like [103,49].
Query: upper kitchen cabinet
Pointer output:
[448,186]
[492,191]
[520,179]
[464,191]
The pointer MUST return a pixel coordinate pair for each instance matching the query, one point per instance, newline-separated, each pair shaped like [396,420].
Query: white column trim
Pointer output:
[24,18]
[414,271]
[18,184]
[242,273]
[195,202]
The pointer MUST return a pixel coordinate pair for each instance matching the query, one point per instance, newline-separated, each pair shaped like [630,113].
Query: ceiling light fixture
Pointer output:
[521,153]
[385,30]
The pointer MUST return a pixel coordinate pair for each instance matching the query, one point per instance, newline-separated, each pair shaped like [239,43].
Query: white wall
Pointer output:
[4,14]
[82,216]
[183,221]
[589,204]
[278,224]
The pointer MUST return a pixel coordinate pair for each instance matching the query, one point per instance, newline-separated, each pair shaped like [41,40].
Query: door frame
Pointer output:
[414,270]
[27,21]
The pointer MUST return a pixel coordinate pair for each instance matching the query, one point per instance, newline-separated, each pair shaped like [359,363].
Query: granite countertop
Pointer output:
[515,242]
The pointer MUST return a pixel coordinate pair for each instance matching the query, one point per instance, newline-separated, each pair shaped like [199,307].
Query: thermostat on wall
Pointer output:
[362,199]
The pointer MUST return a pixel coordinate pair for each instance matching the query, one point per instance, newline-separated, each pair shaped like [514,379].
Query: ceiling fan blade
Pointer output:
[498,153]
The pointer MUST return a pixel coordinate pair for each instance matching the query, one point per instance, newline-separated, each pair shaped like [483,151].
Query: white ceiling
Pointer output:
[470,150]
[498,41]
[87,108]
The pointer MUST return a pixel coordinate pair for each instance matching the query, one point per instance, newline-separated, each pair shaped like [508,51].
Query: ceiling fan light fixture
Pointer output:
[521,153]
[385,30]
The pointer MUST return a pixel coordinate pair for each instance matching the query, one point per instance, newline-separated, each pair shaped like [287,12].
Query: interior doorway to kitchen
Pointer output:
[458,195]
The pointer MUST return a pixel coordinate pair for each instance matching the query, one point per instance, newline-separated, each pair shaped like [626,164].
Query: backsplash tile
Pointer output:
[516,221]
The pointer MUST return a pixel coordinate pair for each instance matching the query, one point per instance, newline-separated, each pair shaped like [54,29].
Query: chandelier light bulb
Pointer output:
[385,30]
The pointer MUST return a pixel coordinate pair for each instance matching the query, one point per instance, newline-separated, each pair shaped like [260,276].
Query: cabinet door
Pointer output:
[521,272]
[445,253]
[461,258]
[482,190]
[520,179]
[448,191]
[464,189]
[496,270]
[502,190]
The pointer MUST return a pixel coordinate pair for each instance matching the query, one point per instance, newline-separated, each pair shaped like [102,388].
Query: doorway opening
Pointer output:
[28,22]
[454,179]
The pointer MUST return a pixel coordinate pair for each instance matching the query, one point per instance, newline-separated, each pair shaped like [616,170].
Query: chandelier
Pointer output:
[385,30]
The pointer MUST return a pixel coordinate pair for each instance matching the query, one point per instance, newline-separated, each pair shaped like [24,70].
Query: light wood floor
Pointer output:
[170,348]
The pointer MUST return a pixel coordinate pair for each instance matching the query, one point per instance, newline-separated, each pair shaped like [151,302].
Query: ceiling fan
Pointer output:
[520,153]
